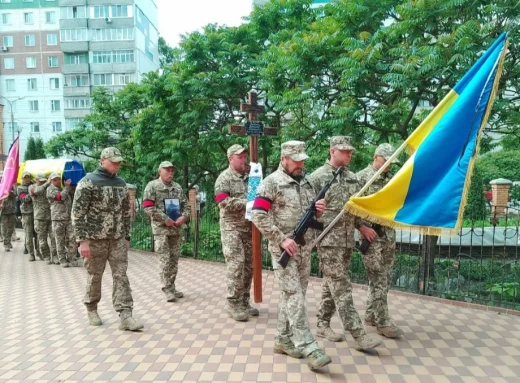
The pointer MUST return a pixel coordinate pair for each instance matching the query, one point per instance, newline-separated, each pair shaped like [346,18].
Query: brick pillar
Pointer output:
[500,189]
[194,199]
[131,193]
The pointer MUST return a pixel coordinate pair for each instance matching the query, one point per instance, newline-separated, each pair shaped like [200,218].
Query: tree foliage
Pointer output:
[35,149]
[371,70]
[502,164]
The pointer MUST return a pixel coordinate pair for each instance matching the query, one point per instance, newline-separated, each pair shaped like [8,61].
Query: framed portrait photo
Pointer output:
[172,208]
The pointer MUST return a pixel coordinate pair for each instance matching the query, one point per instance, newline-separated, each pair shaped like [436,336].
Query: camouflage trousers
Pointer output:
[293,322]
[238,253]
[168,248]
[28,227]
[379,260]
[8,222]
[115,252]
[337,290]
[65,242]
[44,230]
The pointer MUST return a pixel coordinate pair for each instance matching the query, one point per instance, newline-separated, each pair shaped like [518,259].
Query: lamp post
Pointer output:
[12,114]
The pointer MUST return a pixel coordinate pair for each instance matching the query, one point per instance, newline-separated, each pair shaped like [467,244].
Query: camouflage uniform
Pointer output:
[26,207]
[60,201]
[279,205]
[101,216]
[8,219]
[167,240]
[42,220]
[235,232]
[379,258]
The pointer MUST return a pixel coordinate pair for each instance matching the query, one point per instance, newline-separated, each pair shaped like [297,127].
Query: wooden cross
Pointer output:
[254,128]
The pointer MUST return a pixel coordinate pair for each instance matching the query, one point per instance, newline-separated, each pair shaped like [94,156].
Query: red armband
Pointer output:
[148,203]
[262,203]
[221,197]
[23,195]
[58,197]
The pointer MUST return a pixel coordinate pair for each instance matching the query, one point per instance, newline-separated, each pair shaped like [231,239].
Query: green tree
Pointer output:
[35,149]
[502,164]
[476,203]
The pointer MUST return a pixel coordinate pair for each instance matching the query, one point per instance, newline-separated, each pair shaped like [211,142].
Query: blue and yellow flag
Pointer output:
[429,192]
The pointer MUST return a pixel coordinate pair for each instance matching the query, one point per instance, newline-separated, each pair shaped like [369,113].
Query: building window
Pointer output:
[78,12]
[76,80]
[101,11]
[124,79]
[32,84]
[50,17]
[33,105]
[76,59]
[30,41]
[10,85]
[9,63]
[28,18]
[52,39]
[119,10]
[35,127]
[5,1]
[123,56]
[55,105]
[72,123]
[53,61]
[54,83]
[7,41]
[73,35]
[108,34]
[102,79]
[6,18]
[30,62]
[77,103]
[56,127]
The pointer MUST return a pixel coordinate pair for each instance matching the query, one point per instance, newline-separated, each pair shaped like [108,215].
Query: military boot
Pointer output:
[318,359]
[74,263]
[327,333]
[370,321]
[365,342]
[391,331]
[237,313]
[93,318]
[178,294]
[128,322]
[250,310]
[287,348]
[32,258]
[170,297]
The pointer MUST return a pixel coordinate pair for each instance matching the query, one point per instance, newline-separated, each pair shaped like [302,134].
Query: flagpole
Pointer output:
[360,192]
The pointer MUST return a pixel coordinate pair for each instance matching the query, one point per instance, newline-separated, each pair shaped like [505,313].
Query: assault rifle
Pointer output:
[363,247]
[308,221]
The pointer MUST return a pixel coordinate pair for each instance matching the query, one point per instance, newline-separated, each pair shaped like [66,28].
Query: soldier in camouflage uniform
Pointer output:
[42,219]
[60,200]
[379,258]
[166,224]
[101,221]
[8,218]
[26,207]
[281,201]
[235,231]
[335,250]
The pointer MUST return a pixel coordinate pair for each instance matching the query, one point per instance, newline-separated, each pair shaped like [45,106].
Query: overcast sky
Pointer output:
[177,17]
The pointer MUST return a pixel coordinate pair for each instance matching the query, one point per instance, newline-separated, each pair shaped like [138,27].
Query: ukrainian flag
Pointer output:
[429,192]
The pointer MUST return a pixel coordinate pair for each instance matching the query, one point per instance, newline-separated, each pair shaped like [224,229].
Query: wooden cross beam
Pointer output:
[254,128]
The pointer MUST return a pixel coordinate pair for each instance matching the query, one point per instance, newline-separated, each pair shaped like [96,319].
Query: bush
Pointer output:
[476,204]
[502,164]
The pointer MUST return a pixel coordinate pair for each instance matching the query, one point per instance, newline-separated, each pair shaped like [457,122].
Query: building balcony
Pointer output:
[71,3]
[111,45]
[73,23]
[74,46]
[74,91]
[75,68]
[113,68]
[76,113]
[117,22]
[104,2]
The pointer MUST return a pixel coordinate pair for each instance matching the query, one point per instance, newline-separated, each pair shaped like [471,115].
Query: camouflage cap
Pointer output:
[341,143]
[295,150]
[112,154]
[235,149]
[166,164]
[386,151]
[41,177]
[54,175]
[25,174]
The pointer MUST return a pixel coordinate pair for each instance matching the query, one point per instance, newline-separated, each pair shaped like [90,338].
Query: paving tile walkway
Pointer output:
[45,336]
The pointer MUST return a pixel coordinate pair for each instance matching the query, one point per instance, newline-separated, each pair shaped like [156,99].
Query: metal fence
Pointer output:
[481,264]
